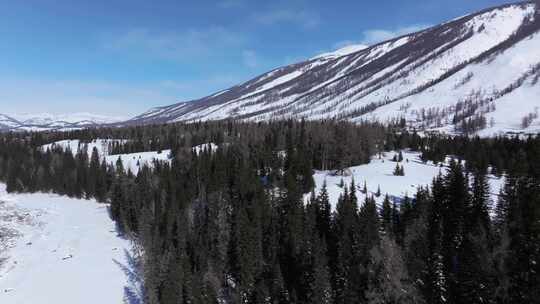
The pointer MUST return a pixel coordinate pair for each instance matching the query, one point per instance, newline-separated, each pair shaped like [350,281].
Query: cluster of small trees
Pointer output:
[399,170]
[398,157]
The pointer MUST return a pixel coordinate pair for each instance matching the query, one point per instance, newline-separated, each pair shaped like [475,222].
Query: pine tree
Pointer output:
[477,275]
[316,276]
[93,174]
[399,170]
[480,202]
[378,193]
[519,243]
[390,281]
[120,166]
[369,238]
[364,189]
[456,209]
[397,225]
[387,217]
[324,213]
[436,289]
[345,261]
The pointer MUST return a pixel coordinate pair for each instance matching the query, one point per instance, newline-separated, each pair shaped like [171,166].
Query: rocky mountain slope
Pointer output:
[478,73]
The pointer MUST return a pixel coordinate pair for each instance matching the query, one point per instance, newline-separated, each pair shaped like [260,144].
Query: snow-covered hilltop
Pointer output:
[476,73]
[47,122]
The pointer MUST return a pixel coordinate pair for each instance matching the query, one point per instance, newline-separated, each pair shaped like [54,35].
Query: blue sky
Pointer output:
[122,57]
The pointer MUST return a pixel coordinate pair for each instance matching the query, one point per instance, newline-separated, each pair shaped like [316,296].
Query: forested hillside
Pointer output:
[229,223]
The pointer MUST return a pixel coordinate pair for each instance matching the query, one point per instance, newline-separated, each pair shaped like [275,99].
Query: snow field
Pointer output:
[62,251]
[379,172]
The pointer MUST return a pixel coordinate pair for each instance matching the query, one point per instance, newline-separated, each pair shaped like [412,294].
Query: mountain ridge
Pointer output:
[394,79]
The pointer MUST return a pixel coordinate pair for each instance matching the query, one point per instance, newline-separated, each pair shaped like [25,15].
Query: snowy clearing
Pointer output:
[135,161]
[55,249]
[379,172]
[132,161]
[102,145]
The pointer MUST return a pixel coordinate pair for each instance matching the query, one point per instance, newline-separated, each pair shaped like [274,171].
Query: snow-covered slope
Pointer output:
[378,174]
[46,122]
[59,250]
[474,69]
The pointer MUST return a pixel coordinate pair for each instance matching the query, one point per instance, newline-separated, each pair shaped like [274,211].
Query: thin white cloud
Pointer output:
[304,18]
[374,36]
[342,44]
[250,58]
[230,4]
[378,35]
[186,45]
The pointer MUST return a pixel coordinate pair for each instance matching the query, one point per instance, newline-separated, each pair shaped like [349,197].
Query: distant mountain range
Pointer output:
[478,73]
[48,122]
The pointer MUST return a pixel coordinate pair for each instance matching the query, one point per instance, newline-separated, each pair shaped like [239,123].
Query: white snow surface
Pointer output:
[276,82]
[63,251]
[74,145]
[135,161]
[344,51]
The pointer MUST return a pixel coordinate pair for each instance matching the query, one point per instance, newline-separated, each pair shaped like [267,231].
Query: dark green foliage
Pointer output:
[233,226]
[399,170]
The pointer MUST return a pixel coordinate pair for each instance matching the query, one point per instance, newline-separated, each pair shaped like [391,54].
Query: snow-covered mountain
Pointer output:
[46,122]
[480,71]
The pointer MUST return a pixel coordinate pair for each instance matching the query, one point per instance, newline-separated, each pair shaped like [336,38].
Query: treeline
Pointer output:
[26,167]
[232,225]
[500,155]
[333,143]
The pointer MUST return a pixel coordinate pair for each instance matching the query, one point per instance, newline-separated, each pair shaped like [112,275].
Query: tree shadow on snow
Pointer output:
[133,291]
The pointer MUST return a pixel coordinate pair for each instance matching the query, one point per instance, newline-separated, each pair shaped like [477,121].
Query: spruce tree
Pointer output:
[93,174]
[390,282]
[323,213]
[436,286]
[387,217]
[456,207]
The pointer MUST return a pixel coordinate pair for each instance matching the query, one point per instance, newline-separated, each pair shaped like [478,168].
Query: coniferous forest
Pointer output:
[243,224]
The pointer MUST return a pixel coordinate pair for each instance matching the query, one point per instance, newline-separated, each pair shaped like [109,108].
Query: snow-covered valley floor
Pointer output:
[59,250]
